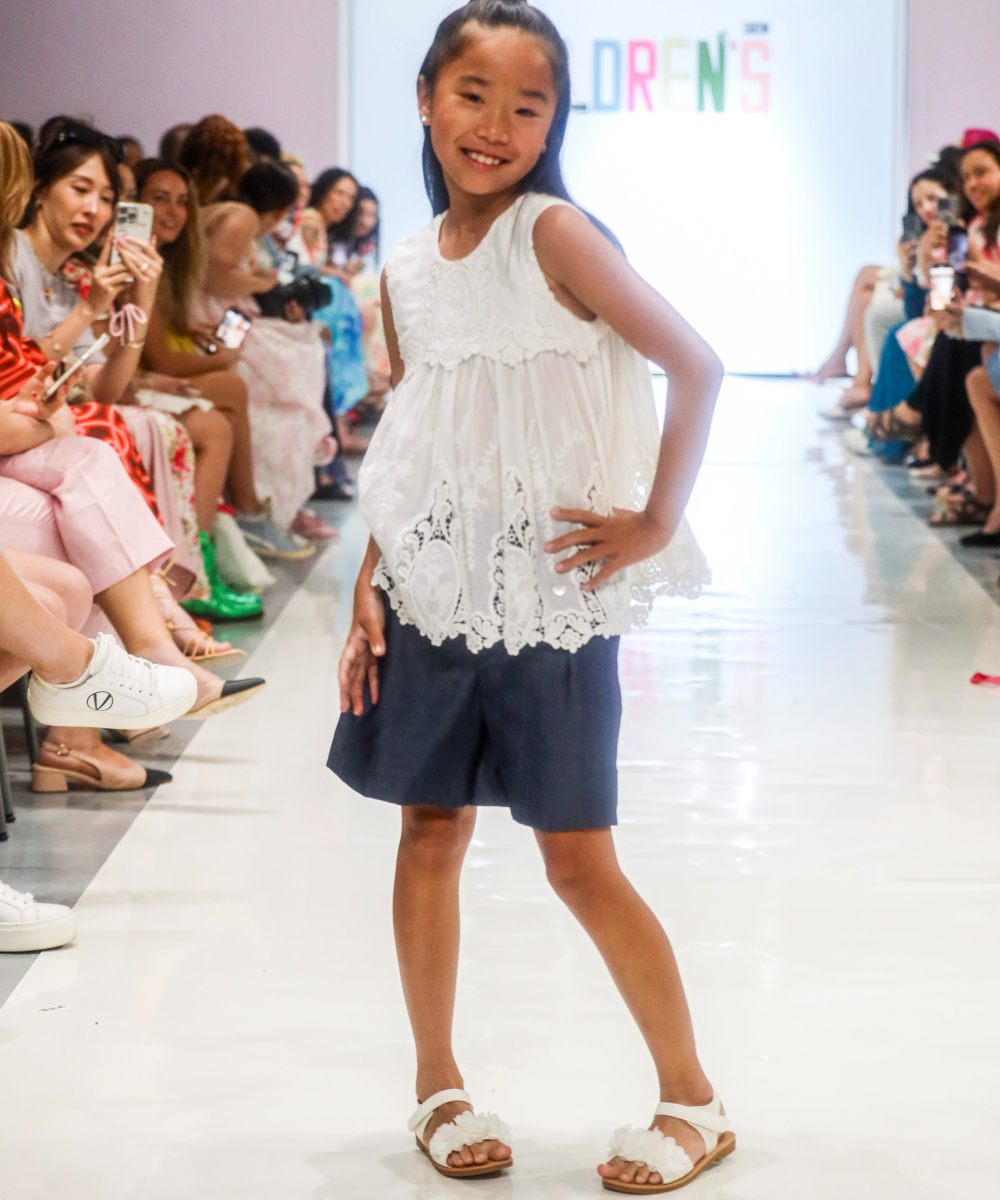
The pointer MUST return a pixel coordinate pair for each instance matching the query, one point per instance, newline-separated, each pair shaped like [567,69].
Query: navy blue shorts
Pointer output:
[535,732]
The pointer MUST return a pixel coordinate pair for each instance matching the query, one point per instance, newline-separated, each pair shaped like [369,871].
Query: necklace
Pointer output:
[48,282]
[48,277]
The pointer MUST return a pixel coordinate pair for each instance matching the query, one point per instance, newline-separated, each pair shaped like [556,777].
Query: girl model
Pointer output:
[523,512]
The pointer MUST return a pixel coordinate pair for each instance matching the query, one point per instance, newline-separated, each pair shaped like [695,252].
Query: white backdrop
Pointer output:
[751,192]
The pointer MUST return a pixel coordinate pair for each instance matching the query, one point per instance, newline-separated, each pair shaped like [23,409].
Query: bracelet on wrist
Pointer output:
[136,344]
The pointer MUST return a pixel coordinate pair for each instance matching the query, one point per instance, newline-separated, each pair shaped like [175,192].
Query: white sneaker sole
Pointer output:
[41,935]
[46,713]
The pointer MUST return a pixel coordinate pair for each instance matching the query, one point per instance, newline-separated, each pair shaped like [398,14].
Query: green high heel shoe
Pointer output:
[222,603]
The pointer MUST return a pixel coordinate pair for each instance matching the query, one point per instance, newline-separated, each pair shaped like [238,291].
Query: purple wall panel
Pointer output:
[143,65]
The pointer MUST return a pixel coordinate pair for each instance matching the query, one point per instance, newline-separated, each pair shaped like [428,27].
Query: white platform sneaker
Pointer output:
[663,1156]
[117,691]
[26,925]
[467,1129]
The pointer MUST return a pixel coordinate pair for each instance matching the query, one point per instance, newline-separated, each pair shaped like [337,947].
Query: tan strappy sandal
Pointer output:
[198,647]
[467,1129]
[195,644]
[663,1156]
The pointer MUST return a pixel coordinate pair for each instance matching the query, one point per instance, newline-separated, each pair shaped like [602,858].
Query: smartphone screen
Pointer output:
[233,328]
[913,228]
[131,220]
[958,248]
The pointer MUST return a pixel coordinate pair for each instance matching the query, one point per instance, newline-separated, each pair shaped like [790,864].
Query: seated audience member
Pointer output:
[176,347]
[37,599]
[68,498]
[282,361]
[131,149]
[874,307]
[924,237]
[216,155]
[184,462]
[939,407]
[172,142]
[982,324]
[332,202]
[363,269]
[262,145]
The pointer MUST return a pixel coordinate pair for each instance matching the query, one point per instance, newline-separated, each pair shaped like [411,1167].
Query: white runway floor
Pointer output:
[809,798]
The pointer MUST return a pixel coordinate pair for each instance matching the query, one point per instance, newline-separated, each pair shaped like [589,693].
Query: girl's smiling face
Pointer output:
[491,110]
[981,179]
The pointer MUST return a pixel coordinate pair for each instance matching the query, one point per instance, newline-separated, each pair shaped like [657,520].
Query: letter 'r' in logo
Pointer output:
[100,701]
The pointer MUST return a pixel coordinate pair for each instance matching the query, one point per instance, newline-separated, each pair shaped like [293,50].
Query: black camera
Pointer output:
[307,291]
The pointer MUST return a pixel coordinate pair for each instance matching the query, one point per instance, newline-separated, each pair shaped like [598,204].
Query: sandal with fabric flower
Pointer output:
[468,1129]
[662,1155]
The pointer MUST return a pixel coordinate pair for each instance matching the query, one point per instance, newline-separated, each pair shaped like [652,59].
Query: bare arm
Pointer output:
[587,272]
[160,356]
[229,246]
[19,433]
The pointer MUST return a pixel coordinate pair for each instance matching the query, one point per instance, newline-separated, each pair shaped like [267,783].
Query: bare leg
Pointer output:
[852,333]
[132,609]
[228,393]
[426,920]
[983,484]
[986,405]
[40,602]
[213,444]
[583,870]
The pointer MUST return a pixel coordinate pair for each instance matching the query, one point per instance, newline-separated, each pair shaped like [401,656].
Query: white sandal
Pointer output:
[467,1129]
[663,1156]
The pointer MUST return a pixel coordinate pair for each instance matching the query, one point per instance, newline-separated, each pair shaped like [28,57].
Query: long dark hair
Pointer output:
[931,175]
[371,243]
[546,176]
[184,259]
[65,144]
[325,182]
[991,229]
[268,186]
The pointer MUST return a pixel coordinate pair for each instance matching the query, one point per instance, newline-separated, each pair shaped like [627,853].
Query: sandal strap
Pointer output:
[707,1119]
[418,1121]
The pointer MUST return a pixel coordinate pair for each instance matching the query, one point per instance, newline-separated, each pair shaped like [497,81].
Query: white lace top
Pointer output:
[510,406]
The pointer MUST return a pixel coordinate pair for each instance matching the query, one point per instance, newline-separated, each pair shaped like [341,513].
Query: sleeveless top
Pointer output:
[510,406]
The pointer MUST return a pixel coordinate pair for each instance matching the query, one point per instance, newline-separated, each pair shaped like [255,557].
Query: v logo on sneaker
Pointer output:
[100,701]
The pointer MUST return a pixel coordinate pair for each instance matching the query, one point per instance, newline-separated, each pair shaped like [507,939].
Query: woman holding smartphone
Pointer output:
[66,305]
[282,361]
[180,347]
[68,498]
